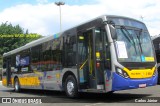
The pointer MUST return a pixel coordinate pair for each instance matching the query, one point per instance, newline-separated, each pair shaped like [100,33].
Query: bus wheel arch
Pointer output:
[16,84]
[69,83]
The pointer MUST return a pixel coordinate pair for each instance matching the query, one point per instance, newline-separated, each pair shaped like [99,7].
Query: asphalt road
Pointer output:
[119,98]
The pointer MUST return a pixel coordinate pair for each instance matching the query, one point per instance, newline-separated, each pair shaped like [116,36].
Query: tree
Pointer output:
[9,40]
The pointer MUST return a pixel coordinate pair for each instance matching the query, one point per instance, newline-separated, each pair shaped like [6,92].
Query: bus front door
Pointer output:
[85,60]
[101,56]
[91,57]
[8,72]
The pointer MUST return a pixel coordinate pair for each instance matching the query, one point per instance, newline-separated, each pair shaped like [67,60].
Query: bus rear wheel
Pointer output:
[16,85]
[71,88]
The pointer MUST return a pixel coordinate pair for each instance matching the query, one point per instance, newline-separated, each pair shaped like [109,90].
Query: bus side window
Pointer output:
[71,51]
[24,65]
[35,54]
[56,55]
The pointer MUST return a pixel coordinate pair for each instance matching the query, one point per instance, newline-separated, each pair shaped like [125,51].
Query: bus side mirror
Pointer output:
[113,32]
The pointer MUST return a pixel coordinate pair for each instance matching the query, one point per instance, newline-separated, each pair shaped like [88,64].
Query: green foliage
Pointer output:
[11,40]
[12,37]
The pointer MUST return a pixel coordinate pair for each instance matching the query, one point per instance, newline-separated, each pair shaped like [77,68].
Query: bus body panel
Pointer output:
[4,81]
[108,80]
[120,83]
[51,80]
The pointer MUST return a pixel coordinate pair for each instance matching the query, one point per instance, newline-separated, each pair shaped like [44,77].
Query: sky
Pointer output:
[42,16]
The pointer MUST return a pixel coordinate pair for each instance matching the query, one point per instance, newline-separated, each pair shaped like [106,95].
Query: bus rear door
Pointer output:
[8,71]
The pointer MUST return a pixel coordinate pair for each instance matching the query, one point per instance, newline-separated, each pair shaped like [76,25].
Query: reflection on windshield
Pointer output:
[129,37]
[138,46]
[146,46]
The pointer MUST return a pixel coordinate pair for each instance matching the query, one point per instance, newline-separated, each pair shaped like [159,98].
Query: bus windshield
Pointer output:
[133,45]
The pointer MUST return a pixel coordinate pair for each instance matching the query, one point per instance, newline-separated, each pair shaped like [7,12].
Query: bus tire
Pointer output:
[17,85]
[158,81]
[110,93]
[71,88]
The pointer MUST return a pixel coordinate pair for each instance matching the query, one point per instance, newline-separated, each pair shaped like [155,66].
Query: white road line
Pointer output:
[94,104]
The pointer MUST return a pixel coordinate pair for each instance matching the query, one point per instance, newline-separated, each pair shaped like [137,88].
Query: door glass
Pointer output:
[85,59]
[102,54]
[99,52]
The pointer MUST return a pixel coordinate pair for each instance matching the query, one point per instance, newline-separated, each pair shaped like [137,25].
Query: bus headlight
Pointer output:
[121,73]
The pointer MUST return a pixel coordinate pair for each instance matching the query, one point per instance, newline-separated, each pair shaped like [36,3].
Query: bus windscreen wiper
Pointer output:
[129,37]
[138,36]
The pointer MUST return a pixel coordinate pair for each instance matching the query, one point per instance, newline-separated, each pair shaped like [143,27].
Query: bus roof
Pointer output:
[50,37]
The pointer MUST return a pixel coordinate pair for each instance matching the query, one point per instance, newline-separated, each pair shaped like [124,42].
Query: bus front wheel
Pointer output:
[71,88]
[16,85]
[158,82]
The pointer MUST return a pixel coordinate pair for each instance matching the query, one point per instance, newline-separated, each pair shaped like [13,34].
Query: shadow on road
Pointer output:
[60,97]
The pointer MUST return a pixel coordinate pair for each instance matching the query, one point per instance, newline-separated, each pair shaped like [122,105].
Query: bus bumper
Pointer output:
[120,83]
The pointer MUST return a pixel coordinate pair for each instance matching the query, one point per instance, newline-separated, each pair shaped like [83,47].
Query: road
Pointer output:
[120,98]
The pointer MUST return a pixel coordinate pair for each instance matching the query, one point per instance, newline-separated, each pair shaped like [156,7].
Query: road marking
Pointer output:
[94,104]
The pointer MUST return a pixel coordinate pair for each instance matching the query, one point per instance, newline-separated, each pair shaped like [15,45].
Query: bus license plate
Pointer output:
[142,85]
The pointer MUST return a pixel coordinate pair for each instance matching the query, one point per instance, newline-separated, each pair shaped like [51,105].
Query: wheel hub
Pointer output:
[70,87]
[16,86]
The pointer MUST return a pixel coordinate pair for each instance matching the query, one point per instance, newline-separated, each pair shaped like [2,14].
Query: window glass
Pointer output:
[21,62]
[70,50]
[56,55]
[146,44]
[83,48]
[102,48]
[36,58]
[131,46]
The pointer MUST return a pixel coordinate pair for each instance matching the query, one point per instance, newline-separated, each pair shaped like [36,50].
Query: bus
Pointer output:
[106,54]
[156,43]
